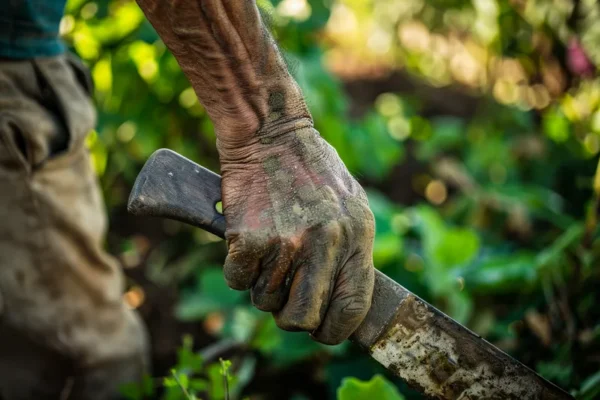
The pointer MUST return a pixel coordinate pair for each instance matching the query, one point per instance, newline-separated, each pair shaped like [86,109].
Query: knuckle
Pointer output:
[283,322]
[356,308]
[331,339]
[235,251]
[309,323]
[295,323]
[334,331]
[266,301]
[369,217]
[359,208]
[364,225]
[289,244]
[237,277]
[353,296]
[353,306]
[245,243]
[235,235]
[361,217]
[332,232]
[365,217]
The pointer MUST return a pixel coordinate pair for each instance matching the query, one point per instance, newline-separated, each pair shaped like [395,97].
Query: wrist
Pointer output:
[273,137]
[264,115]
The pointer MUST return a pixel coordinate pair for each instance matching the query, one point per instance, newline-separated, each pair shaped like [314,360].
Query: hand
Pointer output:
[299,229]
[300,234]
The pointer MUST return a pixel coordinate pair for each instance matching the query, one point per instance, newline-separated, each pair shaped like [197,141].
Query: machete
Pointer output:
[405,334]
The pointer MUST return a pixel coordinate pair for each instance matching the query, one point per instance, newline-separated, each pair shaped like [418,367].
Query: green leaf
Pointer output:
[377,388]
[445,246]
[187,360]
[590,388]
[430,226]
[448,132]
[388,244]
[198,385]
[535,198]
[131,391]
[502,273]
[285,348]
[420,128]
[460,306]
[184,380]
[170,382]
[553,253]
[446,251]
[387,247]
[217,386]
[267,337]
[371,136]
[557,371]
[211,294]
[457,246]
[319,16]
[136,391]
[225,365]
[243,324]
[556,125]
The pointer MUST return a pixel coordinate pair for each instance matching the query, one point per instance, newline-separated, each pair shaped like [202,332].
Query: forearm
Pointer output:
[299,229]
[234,66]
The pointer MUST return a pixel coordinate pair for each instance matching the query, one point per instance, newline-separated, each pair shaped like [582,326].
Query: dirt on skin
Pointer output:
[299,229]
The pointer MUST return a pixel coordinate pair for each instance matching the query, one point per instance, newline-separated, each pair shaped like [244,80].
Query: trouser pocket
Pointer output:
[45,109]
[58,284]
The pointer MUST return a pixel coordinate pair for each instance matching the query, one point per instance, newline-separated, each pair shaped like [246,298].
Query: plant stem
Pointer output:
[183,389]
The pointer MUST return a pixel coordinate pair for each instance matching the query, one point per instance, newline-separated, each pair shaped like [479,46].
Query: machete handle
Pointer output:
[402,332]
[171,186]
[174,187]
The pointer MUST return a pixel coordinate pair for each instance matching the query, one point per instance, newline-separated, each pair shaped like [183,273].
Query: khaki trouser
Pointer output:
[65,332]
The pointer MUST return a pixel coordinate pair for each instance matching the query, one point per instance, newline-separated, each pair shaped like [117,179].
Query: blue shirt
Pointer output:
[29,28]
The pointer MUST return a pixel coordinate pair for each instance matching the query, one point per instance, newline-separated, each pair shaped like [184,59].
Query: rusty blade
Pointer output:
[440,357]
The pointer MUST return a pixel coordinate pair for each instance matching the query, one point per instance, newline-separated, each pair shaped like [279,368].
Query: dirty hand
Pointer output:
[299,228]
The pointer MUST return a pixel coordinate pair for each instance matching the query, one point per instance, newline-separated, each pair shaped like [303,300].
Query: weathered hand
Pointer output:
[300,234]
[299,228]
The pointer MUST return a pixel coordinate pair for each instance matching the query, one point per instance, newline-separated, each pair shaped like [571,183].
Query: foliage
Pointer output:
[473,124]
[190,379]
[376,388]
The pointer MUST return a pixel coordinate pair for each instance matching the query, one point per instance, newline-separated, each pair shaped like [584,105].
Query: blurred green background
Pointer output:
[474,126]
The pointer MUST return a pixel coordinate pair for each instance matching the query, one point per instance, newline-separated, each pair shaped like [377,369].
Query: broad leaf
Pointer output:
[377,388]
